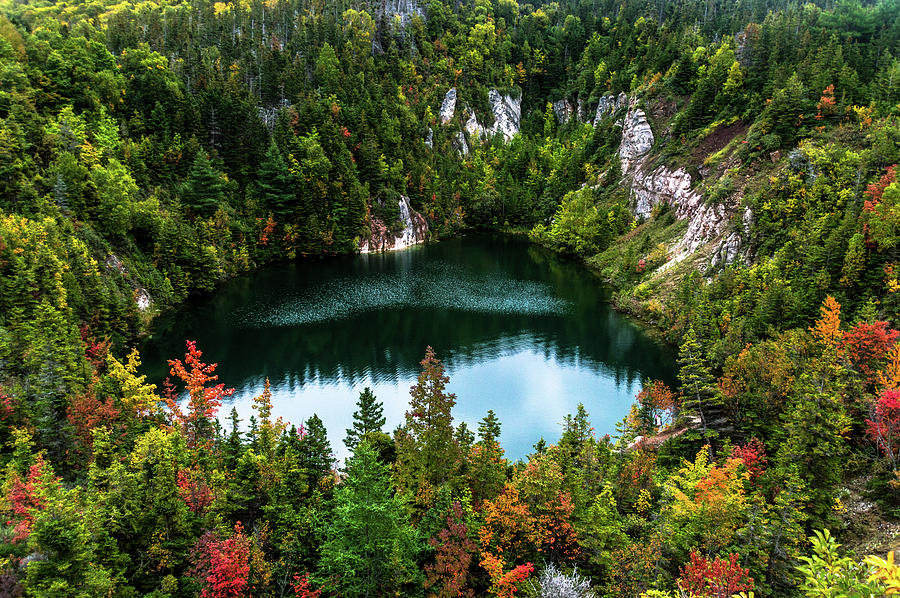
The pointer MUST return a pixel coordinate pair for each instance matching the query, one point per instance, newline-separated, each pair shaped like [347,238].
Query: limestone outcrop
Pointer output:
[415,229]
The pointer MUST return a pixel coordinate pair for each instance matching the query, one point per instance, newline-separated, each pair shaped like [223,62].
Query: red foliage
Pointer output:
[659,400]
[222,566]
[7,407]
[87,412]
[753,455]
[718,578]
[505,585]
[884,427]
[303,589]
[876,190]
[204,400]
[450,572]
[867,344]
[193,490]
[267,230]
[94,350]
[826,103]
[24,497]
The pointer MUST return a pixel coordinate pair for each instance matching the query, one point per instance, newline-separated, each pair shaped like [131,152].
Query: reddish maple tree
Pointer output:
[25,496]
[303,588]
[658,401]
[867,345]
[718,578]
[86,412]
[448,577]
[194,490]
[884,427]
[826,105]
[222,566]
[753,456]
[505,584]
[875,191]
[204,401]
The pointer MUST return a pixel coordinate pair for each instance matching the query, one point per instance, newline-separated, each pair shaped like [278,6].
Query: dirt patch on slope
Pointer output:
[717,140]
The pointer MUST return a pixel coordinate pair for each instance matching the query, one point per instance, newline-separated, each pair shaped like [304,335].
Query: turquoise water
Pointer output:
[520,330]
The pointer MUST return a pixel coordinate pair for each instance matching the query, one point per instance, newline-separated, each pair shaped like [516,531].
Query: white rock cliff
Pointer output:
[415,227]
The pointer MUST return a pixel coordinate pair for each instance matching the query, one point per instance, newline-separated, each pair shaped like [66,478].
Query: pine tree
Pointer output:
[276,185]
[315,450]
[488,467]
[369,417]
[427,452]
[370,548]
[204,189]
[695,378]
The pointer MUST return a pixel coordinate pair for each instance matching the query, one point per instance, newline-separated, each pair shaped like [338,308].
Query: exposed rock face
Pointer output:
[448,106]
[609,105]
[507,113]
[661,186]
[429,138]
[472,126]
[141,296]
[269,114]
[706,221]
[637,139]
[564,110]
[414,230]
[459,142]
[507,117]
[406,9]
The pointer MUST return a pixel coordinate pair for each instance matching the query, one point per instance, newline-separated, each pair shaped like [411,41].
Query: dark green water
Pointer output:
[521,331]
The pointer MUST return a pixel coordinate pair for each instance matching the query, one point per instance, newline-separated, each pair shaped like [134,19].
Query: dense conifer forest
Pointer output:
[726,167]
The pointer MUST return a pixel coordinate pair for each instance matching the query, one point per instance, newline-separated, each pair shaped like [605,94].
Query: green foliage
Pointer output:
[370,547]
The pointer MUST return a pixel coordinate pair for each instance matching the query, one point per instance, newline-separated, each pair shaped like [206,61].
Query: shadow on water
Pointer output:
[514,324]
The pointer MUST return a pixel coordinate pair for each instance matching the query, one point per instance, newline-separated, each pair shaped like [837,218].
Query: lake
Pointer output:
[520,330]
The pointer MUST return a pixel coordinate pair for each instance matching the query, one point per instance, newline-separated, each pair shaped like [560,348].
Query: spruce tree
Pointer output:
[369,417]
[370,548]
[315,450]
[204,189]
[276,185]
[695,378]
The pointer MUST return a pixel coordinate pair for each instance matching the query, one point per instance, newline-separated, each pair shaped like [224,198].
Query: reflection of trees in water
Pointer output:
[387,344]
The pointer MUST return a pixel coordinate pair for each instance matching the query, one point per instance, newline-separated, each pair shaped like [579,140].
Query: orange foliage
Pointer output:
[827,329]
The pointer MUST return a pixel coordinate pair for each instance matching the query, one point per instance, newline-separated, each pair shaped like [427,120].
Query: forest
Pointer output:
[151,150]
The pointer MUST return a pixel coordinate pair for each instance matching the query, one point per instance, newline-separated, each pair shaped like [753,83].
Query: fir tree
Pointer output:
[276,185]
[204,189]
[695,378]
[370,548]
[369,417]
[315,450]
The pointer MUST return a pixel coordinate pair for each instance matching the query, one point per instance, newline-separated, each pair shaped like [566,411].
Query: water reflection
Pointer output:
[521,331]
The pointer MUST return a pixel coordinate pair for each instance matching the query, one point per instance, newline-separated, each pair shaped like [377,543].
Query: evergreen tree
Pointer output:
[695,378]
[315,450]
[370,548]
[204,189]
[427,452]
[276,185]
[369,417]
[488,467]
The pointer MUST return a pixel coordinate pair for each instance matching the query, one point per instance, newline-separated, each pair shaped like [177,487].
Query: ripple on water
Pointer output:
[437,286]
